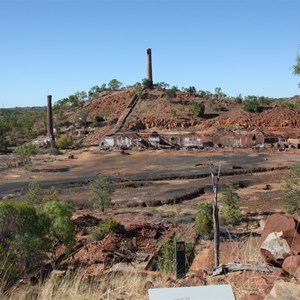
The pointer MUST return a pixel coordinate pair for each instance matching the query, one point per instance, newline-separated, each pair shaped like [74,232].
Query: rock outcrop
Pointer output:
[280,238]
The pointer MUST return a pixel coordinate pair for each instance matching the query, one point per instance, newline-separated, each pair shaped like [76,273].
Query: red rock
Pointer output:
[265,282]
[284,290]
[252,297]
[148,285]
[168,281]
[262,285]
[197,274]
[194,281]
[292,265]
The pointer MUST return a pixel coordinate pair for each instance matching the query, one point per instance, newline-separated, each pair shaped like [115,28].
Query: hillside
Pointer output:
[155,111]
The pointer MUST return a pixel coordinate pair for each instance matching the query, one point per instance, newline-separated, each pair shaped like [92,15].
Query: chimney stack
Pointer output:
[50,133]
[149,66]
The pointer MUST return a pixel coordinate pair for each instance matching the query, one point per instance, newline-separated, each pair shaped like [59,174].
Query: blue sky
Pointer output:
[61,47]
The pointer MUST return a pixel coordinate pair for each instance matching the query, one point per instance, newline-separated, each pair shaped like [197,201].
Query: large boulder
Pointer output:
[292,265]
[280,238]
[274,248]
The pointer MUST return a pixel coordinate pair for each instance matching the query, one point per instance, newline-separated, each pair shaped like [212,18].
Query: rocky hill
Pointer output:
[155,111]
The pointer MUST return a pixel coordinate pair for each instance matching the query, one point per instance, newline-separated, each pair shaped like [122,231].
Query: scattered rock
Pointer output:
[292,265]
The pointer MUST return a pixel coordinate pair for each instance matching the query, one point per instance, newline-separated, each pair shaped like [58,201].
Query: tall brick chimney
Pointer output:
[149,65]
[50,133]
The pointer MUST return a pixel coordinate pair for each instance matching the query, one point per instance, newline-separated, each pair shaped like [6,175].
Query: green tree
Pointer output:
[198,109]
[218,92]
[291,187]
[62,229]
[161,86]
[250,104]
[101,193]
[231,211]
[24,153]
[114,85]
[296,67]
[264,101]
[204,220]
[147,83]
[191,90]
[23,232]
[96,90]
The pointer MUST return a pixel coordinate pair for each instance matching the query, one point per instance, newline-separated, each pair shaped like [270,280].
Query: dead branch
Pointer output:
[233,267]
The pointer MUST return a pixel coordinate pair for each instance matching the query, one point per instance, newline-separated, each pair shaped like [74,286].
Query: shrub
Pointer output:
[286,103]
[171,93]
[291,187]
[101,192]
[219,108]
[81,118]
[173,112]
[138,89]
[166,262]
[78,145]
[23,232]
[264,101]
[109,226]
[161,86]
[230,210]
[62,229]
[204,220]
[34,194]
[198,109]
[250,104]
[64,141]
[147,83]
[238,99]
[24,153]
[38,196]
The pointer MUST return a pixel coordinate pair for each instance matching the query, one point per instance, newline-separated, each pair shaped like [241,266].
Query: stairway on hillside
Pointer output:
[124,116]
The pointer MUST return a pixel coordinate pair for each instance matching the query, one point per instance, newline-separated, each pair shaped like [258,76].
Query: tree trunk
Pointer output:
[215,184]
[216,232]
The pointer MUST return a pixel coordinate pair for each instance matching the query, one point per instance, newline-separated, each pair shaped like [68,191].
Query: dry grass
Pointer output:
[110,286]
